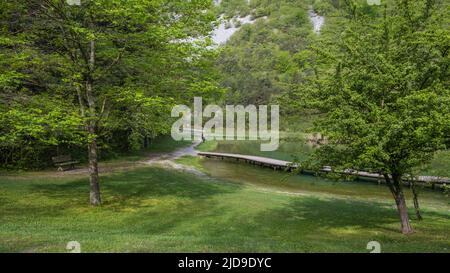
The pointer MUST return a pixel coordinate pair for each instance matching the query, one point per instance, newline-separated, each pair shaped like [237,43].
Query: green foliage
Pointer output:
[27,134]
[259,62]
[231,8]
[323,7]
[387,101]
[46,121]
[439,166]
[116,67]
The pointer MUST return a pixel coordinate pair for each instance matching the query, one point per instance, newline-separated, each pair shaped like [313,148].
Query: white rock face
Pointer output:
[227,28]
[316,20]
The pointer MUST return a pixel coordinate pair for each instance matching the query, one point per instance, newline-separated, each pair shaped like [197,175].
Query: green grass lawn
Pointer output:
[158,210]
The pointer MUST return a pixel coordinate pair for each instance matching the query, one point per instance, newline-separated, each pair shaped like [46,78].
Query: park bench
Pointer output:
[64,162]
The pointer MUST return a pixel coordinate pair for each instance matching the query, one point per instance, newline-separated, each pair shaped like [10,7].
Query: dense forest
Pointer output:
[269,57]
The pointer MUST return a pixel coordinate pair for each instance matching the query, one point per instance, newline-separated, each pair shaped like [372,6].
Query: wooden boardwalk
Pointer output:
[289,166]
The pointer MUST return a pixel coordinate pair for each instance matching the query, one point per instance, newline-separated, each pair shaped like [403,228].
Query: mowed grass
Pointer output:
[158,210]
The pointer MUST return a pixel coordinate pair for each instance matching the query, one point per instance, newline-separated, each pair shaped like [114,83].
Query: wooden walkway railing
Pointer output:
[289,166]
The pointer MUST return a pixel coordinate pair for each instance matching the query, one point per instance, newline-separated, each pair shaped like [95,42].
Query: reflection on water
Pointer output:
[280,181]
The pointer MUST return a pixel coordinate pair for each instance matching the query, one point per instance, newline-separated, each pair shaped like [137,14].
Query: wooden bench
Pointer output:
[64,162]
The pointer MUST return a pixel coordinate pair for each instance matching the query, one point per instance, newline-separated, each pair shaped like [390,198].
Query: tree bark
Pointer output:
[416,201]
[403,212]
[397,191]
[94,197]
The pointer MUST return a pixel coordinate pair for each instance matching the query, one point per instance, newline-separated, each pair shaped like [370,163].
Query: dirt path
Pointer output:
[167,160]
[190,150]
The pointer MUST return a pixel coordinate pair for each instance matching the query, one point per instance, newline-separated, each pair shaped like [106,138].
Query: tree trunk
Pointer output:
[403,212]
[94,197]
[92,149]
[397,191]
[146,142]
[416,201]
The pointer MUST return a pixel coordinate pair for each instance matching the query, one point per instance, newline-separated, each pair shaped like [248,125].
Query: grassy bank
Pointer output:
[157,210]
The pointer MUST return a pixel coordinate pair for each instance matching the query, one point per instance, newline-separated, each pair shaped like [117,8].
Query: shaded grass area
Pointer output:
[157,210]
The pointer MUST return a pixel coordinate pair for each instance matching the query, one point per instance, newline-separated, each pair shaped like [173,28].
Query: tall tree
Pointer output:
[386,105]
[103,51]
